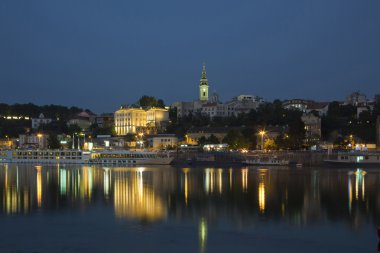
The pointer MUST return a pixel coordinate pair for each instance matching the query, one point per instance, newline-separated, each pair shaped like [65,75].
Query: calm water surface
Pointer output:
[166,209]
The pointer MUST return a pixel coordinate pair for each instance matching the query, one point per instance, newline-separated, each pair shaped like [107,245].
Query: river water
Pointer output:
[53,208]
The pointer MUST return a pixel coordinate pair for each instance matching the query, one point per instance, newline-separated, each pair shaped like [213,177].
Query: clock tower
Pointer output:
[203,85]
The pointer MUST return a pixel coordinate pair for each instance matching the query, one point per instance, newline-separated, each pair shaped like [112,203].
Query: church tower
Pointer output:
[203,85]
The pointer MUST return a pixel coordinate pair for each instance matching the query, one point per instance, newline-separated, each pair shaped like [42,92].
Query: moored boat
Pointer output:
[119,157]
[355,158]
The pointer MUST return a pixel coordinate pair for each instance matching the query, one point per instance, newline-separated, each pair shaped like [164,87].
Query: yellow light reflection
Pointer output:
[262,196]
[230,173]
[209,180]
[261,190]
[87,183]
[220,181]
[39,186]
[106,186]
[186,184]
[349,195]
[135,200]
[202,231]
[244,179]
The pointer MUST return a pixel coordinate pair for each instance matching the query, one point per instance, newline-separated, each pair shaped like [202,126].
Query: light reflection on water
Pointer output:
[238,196]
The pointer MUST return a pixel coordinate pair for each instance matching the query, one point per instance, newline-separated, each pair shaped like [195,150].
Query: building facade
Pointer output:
[33,141]
[312,128]
[357,99]
[105,120]
[129,120]
[41,120]
[134,120]
[82,119]
[162,141]
[155,117]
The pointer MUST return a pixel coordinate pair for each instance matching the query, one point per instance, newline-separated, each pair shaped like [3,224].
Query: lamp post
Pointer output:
[39,140]
[73,146]
[262,133]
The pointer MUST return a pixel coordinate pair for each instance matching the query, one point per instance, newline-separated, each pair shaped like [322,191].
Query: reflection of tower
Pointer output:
[203,85]
[202,230]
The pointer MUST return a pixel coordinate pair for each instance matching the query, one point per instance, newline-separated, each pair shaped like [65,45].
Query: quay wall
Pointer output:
[306,158]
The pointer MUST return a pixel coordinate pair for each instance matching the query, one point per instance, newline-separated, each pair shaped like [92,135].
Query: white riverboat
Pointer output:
[117,157]
[355,158]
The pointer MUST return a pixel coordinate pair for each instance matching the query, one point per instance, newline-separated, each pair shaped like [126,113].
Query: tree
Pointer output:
[235,140]
[53,142]
[213,139]
[270,144]
[150,101]
[130,137]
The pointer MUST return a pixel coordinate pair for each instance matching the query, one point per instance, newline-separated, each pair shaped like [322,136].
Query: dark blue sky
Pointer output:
[100,54]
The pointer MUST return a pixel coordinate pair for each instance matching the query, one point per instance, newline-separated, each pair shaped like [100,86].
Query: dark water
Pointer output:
[166,209]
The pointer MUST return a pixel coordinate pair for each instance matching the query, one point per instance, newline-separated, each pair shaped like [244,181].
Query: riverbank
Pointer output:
[306,158]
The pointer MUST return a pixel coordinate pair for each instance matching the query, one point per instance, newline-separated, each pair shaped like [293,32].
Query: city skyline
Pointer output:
[82,53]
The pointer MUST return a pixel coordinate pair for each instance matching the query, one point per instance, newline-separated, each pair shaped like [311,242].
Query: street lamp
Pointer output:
[262,133]
[72,146]
[39,140]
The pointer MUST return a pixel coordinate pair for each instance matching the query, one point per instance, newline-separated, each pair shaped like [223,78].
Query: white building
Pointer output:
[162,141]
[41,120]
[33,141]
[133,120]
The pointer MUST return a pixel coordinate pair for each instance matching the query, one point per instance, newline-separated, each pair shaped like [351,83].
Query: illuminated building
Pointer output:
[156,116]
[132,120]
[162,141]
[129,120]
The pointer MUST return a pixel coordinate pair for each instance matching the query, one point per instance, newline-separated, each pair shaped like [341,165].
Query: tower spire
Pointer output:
[203,85]
[204,76]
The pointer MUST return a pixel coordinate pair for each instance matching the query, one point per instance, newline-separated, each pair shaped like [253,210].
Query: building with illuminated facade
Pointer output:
[134,120]
[162,141]
[212,107]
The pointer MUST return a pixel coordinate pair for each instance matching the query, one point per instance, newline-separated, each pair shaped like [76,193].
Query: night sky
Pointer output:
[101,54]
